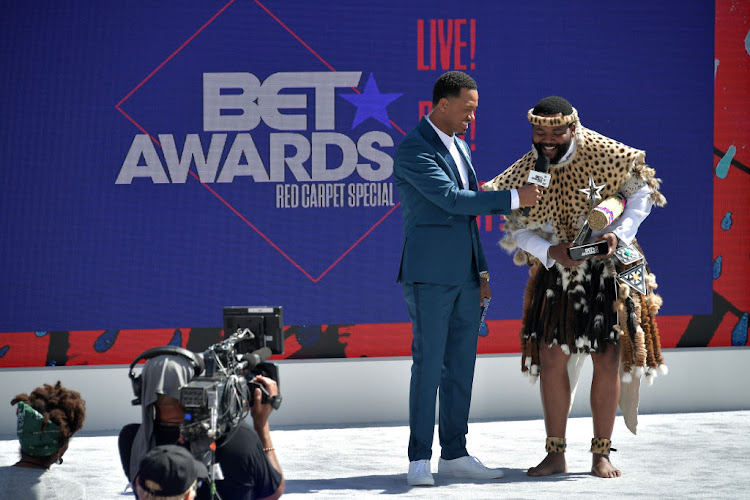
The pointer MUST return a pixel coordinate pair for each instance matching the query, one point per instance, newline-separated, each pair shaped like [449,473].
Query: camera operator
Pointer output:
[246,457]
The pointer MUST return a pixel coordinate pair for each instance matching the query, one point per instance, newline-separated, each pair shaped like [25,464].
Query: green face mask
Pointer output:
[36,442]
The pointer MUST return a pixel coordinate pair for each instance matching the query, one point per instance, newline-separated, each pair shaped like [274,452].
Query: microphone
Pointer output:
[540,167]
[255,358]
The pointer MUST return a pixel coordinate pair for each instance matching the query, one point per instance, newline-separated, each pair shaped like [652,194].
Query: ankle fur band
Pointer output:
[601,446]
[555,445]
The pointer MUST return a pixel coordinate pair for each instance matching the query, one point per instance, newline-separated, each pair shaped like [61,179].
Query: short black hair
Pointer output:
[450,84]
[552,105]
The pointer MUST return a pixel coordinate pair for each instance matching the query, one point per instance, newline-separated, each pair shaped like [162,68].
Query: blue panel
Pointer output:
[83,82]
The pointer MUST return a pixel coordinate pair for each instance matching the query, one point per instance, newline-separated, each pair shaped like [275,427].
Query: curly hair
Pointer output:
[63,407]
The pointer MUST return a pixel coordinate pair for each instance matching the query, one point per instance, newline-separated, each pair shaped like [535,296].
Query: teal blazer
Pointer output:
[441,239]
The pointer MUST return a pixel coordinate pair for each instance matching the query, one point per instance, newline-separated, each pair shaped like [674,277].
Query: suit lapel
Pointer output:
[429,133]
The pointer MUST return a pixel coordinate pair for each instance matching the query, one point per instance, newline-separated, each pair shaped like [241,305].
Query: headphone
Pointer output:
[137,381]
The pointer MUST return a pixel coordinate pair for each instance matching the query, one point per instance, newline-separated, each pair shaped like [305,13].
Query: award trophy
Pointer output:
[580,250]
[601,216]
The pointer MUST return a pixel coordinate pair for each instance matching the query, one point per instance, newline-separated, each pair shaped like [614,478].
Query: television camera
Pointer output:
[220,395]
[216,401]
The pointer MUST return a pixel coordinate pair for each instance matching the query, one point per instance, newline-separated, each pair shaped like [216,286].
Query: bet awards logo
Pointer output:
[302,147]
[589,251]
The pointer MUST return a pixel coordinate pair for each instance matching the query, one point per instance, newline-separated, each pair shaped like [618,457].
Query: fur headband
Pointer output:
[552,121]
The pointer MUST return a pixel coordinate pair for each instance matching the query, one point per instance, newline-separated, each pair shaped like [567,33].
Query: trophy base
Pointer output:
[585,251]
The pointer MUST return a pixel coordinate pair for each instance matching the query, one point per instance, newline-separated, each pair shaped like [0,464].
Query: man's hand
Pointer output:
[484,290]
[260,411]
[559,252]
[611,239]
[529,195]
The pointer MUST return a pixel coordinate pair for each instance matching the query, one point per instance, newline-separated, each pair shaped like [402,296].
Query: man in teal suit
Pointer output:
[444,274]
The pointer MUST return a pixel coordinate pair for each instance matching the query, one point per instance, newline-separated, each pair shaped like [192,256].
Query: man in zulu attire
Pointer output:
[604,305]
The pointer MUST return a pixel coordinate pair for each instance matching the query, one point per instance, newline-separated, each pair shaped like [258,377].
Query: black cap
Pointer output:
[169,470]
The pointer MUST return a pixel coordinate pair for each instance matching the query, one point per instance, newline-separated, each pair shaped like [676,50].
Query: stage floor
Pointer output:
[686,455]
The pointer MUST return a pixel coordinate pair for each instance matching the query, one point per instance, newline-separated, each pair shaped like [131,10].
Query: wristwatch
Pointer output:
[485,275]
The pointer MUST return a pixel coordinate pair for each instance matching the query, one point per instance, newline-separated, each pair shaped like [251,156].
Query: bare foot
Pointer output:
[602,467]
[553,463]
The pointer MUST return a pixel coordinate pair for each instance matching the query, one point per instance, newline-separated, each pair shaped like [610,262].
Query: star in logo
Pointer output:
[593,191]
[371,103]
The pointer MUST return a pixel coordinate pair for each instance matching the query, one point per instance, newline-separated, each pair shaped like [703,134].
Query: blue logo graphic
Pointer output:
[371,103]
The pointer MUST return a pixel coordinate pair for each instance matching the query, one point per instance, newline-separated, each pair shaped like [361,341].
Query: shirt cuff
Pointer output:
[535,245]
[515,201]
[547,260]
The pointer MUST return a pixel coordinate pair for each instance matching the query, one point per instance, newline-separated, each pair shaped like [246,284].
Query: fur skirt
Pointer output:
[584,308]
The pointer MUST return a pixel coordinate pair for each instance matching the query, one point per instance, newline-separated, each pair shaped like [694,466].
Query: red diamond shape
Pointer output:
[276,247]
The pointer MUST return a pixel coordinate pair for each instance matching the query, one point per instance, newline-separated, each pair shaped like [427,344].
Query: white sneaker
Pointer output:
[419,473]
[467,467]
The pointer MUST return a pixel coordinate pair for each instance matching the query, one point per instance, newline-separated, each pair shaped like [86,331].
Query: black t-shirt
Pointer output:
[247,472]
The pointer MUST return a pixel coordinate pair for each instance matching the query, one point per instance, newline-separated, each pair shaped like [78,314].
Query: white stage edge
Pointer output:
[366,391]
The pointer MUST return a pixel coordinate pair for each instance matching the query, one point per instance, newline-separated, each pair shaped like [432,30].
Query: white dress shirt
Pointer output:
[463,169]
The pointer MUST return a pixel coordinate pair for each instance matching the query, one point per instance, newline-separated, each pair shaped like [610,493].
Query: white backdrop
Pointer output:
[341,392]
